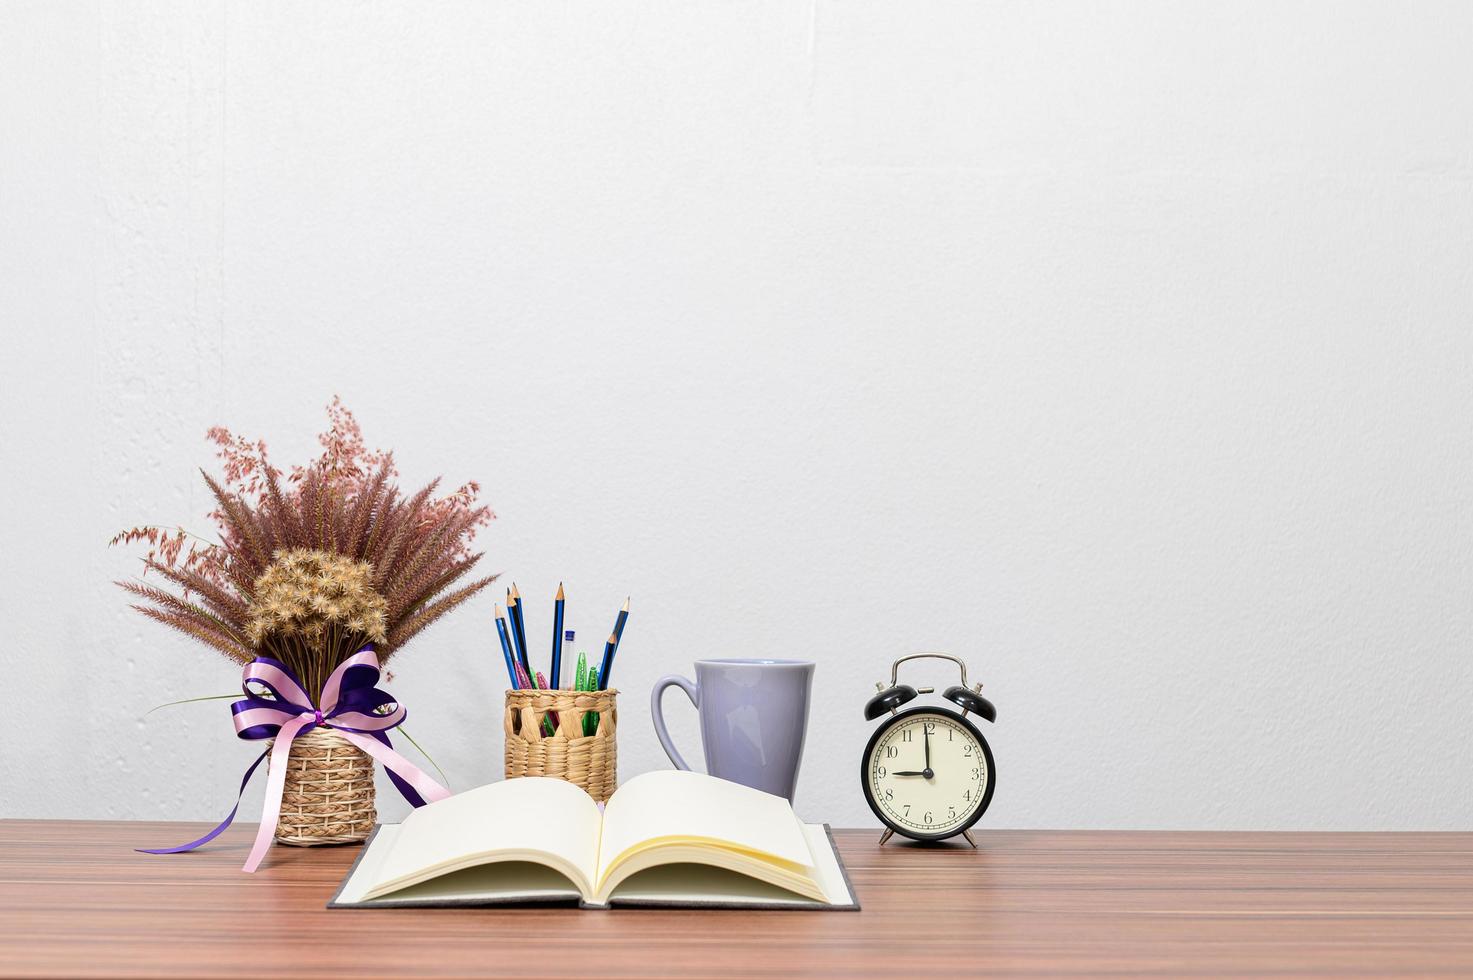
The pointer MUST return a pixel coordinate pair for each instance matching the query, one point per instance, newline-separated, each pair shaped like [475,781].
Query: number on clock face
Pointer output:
[934,804]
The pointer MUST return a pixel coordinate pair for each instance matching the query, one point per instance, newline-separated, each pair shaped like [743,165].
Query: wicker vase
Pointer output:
[329,793]
[589,761]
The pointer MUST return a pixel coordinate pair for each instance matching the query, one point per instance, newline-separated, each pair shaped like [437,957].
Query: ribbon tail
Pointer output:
[275,785]
[405,790]
[220,829]
[400,768]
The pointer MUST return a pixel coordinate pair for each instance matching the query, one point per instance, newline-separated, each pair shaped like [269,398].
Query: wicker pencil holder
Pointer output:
[329,793]
[589,761]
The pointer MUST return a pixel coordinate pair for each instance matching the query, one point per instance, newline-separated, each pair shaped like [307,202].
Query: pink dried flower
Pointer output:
[344,502]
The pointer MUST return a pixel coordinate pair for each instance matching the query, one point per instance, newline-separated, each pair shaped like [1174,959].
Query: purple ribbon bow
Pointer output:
[276,706]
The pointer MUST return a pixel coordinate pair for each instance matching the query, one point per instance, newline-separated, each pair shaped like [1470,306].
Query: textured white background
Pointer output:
[1122,349]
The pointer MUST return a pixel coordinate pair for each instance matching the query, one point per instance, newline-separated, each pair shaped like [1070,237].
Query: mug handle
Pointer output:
[692,692]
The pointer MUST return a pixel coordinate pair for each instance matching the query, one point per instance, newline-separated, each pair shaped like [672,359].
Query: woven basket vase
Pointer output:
[329,794]
[588,761]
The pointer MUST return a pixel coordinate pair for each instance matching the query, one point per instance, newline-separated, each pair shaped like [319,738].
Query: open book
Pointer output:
[665,838]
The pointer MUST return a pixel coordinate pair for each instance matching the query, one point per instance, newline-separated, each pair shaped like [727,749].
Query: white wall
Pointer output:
[1122,349]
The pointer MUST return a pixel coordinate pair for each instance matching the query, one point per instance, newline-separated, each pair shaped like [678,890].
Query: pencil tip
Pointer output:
[626,604]
[560,591]
[498,610]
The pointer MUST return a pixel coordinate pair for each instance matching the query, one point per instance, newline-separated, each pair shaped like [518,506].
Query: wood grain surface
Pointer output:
[76,900]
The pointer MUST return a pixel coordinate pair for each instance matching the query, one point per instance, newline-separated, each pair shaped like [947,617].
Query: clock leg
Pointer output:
[886,836]
[970,839]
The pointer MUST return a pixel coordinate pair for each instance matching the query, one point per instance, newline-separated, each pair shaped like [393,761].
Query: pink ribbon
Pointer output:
[276,706]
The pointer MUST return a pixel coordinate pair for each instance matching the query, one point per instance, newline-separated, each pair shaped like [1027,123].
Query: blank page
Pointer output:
[531,815]
[674,804]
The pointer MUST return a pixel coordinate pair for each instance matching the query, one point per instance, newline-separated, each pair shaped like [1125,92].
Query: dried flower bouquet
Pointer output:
[312,565]
[311,568]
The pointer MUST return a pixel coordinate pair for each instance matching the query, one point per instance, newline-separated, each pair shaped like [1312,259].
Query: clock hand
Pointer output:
[927,732]
[911,772]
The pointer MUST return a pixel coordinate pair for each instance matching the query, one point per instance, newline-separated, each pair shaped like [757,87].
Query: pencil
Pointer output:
[511,664]
[557,637]
[519,627]
[620,621]
[511,616]
[608,662]
[612,646]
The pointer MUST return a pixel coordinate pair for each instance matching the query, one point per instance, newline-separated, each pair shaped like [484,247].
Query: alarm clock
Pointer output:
[927,772]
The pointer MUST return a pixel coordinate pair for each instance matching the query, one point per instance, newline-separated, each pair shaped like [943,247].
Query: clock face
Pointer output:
[928,774]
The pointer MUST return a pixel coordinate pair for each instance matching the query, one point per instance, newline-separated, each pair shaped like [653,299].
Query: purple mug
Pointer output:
[754,716]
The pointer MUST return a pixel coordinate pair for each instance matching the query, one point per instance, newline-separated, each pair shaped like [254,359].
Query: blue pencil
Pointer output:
[619,623]
[612,647]
[518,627]
[557,638]
[511,626]
[511,664]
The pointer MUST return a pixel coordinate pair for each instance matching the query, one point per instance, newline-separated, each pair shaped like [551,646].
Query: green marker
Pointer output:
[582,676]
[590,720]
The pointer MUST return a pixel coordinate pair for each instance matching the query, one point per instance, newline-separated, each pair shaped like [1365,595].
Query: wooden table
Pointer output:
[76,900]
